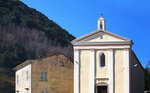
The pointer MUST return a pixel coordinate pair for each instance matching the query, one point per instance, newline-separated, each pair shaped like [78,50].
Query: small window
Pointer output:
[43,76]
[102,60]
[44,91]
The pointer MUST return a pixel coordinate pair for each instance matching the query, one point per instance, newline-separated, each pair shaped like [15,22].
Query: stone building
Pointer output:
[105,63]
[48,75]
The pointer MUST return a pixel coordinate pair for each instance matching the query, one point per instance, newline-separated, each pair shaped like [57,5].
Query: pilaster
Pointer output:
[76,71]
[127,71]
[111,70]
[92,71]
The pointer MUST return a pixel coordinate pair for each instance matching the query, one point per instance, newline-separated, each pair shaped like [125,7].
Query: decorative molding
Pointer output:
[102,84]
[102,78]
[96,32]
[101,47]
[76,50]
[108,43]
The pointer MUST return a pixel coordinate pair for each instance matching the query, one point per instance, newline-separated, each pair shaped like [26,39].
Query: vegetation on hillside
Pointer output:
[27,34]
[15,12]
[147,76]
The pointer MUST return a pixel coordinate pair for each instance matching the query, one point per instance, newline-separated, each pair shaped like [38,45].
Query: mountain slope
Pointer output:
[27,34]
[25,29]
[14,11]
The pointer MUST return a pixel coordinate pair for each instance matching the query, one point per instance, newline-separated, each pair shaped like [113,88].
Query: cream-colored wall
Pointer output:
[23,81]
[84,71]
[119,71]
[101,72]
[106,37]
[137,76]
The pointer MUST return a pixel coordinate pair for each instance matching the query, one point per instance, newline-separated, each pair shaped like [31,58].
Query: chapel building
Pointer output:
[105,63]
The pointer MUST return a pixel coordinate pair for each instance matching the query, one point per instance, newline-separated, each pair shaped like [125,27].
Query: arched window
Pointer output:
[102,59]
[101,25]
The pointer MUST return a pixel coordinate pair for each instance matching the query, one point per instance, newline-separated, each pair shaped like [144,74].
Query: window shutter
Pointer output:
[45,76]
[41,76]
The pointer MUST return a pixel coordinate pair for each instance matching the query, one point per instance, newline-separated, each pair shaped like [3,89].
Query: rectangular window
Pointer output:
[43,76]
[44,91]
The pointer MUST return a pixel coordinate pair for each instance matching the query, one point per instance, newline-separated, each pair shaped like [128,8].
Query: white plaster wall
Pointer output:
[23,82]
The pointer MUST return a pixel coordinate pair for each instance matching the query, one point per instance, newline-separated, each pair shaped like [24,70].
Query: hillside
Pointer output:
[26,34]
[16,12]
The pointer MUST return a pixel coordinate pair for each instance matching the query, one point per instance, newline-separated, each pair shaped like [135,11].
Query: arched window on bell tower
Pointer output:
[101,25]
[102,59]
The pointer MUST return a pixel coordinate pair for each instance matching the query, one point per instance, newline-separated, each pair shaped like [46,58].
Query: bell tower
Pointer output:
[101,24]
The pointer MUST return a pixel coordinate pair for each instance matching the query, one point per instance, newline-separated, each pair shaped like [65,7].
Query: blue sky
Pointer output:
[127,18]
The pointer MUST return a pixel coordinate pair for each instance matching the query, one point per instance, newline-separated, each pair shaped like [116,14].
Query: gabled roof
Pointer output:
[83,39]
[27,62]
[138,60]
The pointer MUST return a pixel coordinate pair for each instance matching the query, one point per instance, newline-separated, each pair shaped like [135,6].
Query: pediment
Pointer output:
[100,36]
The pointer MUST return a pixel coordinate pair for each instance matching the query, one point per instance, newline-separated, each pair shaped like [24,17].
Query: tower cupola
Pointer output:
[101,24]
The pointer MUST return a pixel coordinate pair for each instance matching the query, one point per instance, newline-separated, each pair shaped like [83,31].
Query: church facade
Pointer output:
[105,63]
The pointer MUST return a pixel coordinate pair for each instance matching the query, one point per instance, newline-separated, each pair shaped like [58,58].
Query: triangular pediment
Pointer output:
[100,36]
